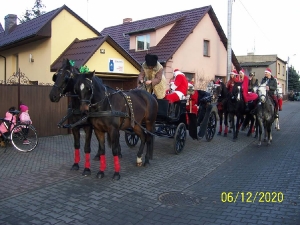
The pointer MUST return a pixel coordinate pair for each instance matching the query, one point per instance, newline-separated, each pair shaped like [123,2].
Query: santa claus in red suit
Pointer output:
[179,87]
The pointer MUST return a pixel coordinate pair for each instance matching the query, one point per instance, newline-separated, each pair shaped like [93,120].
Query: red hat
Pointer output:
[242,71]
[176,72]
[234,72]
[268,70]
[218,81]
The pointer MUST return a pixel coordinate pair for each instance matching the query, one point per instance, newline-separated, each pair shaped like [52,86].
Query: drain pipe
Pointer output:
[4,68]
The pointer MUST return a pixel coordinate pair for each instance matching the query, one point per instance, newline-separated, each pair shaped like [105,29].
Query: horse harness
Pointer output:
[111,113]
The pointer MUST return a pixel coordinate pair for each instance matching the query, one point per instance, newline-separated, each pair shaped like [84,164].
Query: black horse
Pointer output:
[265,115]
[236,107]
[65,79]
[110,112]
[221,94]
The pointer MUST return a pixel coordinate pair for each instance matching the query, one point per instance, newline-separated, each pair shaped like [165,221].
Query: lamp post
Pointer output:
[287,75]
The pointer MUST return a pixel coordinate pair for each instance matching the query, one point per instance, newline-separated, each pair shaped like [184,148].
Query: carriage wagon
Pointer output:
[173,121]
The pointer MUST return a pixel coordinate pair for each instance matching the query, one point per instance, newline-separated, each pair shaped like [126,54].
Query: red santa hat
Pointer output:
[218,81]
[242,71]
[268,70]
[190,84]
[177,72]
[234,72]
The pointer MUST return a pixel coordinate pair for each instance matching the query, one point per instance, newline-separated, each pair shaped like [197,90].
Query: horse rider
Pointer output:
[152,76]
[248,96]
[253,82]
[179,87]
[271,87]
[233,79]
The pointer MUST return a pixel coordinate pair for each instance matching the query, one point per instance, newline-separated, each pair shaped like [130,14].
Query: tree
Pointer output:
[294,82]
[36,11]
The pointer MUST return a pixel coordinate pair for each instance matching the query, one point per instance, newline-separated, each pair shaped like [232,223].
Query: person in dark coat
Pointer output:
[271,88]
[253,82]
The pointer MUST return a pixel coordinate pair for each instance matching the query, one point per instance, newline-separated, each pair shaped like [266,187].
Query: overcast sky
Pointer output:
[262,26]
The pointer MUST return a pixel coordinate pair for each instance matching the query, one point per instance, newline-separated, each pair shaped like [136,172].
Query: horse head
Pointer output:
[90,90]
[63,81]
[236,93]
[262,93]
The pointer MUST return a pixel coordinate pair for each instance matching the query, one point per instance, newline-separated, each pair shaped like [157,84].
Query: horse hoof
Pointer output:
[230,131]
[147,163]
[219,133]
[225,135]
[86,172]
[120,156]
[116,176]
[248,134]
[100,174]
[96,158]
[75,166]
[139,164]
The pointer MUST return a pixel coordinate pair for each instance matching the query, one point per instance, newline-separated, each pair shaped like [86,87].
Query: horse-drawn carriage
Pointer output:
[173,121]
[136,112]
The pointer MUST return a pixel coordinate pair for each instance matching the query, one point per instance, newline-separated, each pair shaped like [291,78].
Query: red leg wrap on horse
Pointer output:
[226,130]
[220,130]
[280,103]
[117,164]
[102,163]
[87,161]
[77,156]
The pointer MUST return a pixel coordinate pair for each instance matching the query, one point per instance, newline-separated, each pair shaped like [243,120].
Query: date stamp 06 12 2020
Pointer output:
[251,197]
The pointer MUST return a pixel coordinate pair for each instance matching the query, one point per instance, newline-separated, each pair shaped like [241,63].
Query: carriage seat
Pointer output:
[173,110]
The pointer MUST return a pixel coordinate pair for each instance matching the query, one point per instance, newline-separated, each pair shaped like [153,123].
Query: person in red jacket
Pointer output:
[179,87]
[248,96]
[233,79]
[192,106]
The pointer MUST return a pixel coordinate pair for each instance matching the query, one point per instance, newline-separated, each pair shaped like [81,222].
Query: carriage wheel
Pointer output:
[179,138]
[211,126]
[131,139]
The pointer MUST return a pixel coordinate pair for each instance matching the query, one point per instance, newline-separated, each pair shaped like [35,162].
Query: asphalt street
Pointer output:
[217,182]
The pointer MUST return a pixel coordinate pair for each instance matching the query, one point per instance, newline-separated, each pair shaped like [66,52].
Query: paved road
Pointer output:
[217,182]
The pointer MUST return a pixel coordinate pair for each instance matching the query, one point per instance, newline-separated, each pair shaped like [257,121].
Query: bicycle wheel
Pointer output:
[24,138]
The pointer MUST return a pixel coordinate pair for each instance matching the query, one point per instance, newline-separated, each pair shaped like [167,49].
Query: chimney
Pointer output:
[127,20]
[10,21]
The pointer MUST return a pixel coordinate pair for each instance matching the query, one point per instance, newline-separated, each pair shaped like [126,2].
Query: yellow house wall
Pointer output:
[189,57]
[100,62]
[64,29]
[34,71]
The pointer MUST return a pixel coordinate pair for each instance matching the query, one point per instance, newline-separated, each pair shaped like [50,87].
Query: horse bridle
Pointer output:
[66,80]
[89,101]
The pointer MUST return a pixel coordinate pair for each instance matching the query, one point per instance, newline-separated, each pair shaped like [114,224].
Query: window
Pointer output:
[189,76]
[143,42]
[278,68]
[206,48]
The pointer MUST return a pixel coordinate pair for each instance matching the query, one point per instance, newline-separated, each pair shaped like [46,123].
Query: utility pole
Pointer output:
[287,76]
[229,61]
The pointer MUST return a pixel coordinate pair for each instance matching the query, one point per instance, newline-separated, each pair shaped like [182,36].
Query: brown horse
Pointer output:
[65,79]
[112,110]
